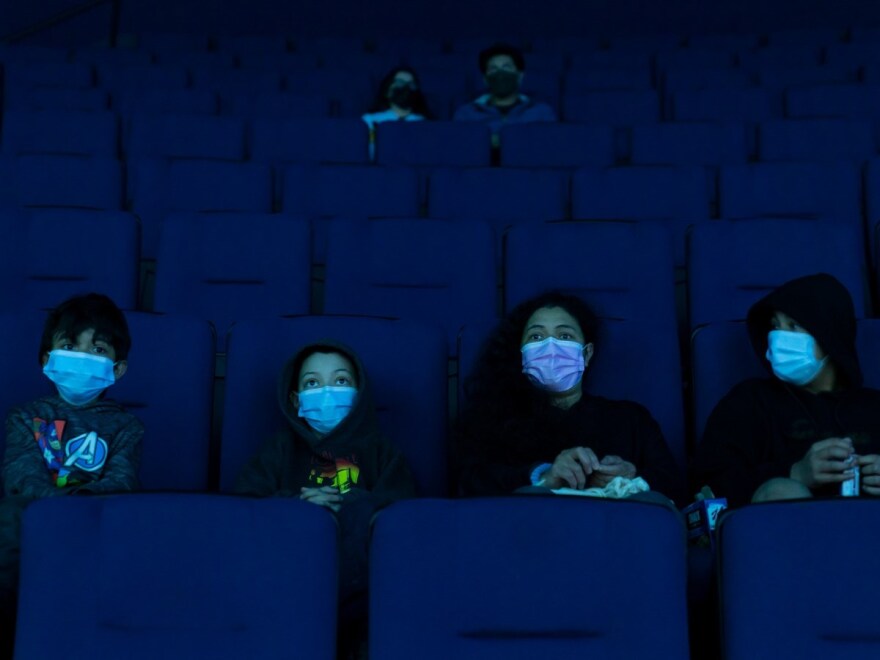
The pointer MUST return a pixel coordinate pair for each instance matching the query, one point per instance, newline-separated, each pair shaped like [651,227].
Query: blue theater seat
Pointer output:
[89,182]
[676,196]
[231,266]
[236,81]
[615,107]
[752,105]
[351,191]
[174,553]
[557,145]
[435,271]
[185,136]
[309,141]
[36,99]
[48,74]
[470,560]
[407,367]
[500,196]
[768,611]
[52,254]
[731,264]
[276,106]
[157,187]
[690,143]
[433,143]
[822,189]
[60,132]
[852,101]
[157,101]
[816,139]
[121,77]
[170,387]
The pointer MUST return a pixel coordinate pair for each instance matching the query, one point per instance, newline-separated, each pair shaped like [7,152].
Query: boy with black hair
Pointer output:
[75,441]
[503,67]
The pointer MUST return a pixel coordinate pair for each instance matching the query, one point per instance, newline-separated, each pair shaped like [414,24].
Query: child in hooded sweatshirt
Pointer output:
[332,454]
[801,431]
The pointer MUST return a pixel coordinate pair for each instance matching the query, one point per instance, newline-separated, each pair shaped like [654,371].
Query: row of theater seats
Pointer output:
[170,384]
[201,576]
[621,97]
[228,267]
[453,144]
[677,195]
[725,81]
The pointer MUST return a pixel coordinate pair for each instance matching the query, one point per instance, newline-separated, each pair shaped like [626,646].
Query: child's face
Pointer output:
[87,343]
[324,370]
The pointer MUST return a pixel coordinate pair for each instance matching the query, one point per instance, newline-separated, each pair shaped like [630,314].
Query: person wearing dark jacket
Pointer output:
[800,432]
[529,422]
[332,454]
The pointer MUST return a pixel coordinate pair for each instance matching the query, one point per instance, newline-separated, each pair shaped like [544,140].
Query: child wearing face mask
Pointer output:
[75,441]
[801,431]
[333,455]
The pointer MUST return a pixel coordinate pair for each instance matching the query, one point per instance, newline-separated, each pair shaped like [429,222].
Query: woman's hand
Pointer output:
[326,496]
[609,468]
[572,468]
[826,462]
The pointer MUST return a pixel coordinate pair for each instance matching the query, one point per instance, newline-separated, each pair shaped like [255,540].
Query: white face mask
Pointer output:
[792,356]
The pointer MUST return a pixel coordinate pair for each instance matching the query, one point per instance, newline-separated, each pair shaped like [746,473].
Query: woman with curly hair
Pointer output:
[528,421]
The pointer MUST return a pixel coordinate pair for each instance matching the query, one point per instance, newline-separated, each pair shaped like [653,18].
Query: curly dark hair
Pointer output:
[502,406]
[380,102]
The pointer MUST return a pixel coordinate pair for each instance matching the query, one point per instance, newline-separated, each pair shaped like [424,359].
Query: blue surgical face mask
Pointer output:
[79,377]
[792,356]
[325,407]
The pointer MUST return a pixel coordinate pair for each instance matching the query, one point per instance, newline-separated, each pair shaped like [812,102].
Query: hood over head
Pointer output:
[824,308]
[359,422]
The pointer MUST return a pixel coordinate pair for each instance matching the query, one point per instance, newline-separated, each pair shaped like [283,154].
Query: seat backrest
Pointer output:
[498,196]
[549,144]
[175,553]
[49,255]
[351,191]
[169,386]
[676,195]
[407,366]
[816,139]
[309,140]
[86,182]
[158,187]
[731,264]
[436,271]
[62,132]
[751,104]
[435,143]
[690,143]
[469,560]
[811,189]
[767,609]
[226,267]
[185,136]
[615,107]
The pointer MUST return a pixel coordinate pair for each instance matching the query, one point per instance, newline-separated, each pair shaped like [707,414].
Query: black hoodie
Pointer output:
[763,426]
[368,470]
